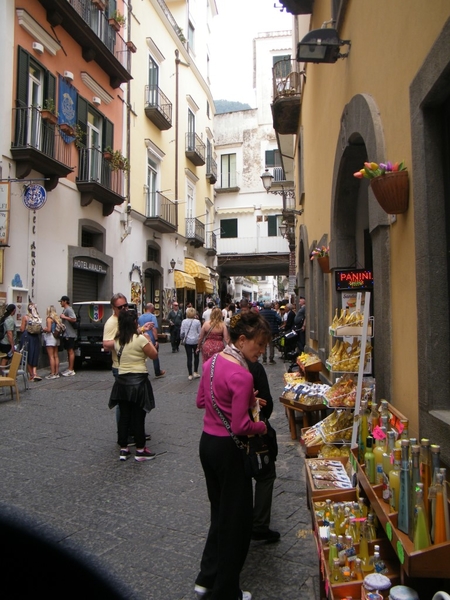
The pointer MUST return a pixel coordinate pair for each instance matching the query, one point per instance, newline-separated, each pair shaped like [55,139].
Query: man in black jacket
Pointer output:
[274,323]
[264,483]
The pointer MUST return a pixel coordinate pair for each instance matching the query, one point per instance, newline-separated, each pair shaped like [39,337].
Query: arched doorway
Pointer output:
[359,227]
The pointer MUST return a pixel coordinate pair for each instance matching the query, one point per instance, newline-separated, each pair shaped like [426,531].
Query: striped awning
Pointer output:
[196,269]
[204,287]
[235,211]
[184,280]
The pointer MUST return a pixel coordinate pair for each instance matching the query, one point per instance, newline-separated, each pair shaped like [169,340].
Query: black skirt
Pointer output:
[133,387]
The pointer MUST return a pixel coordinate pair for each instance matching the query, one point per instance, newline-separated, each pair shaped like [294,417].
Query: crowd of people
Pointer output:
[233,388]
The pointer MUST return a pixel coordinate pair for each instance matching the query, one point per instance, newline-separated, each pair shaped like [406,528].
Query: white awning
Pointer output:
[234,211]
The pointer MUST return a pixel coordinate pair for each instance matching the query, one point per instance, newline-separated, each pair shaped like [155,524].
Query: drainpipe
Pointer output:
[178,62]
[128,136]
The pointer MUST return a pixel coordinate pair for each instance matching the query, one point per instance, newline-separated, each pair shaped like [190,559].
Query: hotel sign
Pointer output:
[354,280]
[89,265]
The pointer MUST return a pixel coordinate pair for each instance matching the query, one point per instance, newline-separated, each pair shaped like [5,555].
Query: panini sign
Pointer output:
[354,279]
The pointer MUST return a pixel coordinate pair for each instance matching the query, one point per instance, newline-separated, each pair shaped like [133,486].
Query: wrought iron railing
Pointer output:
[155,98]
[286,78]
[211,241]
[98,22]
[160,207]
[195,144]
[211,167]
[195,229]
[94,168]
[31,131]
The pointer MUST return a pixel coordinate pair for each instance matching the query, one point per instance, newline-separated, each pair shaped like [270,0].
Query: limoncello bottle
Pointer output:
[421,534]
[394,480]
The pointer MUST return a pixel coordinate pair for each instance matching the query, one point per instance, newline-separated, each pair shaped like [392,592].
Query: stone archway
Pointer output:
[361,139]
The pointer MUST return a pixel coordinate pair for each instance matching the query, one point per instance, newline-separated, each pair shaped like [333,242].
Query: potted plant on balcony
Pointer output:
[322,255]
[48,111]
[389,183]
[117,20]
[131,47]
[108,153]
[67,129]
[117,160]
[100,4]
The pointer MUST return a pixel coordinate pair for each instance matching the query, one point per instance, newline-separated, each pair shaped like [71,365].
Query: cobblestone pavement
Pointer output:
[145,523]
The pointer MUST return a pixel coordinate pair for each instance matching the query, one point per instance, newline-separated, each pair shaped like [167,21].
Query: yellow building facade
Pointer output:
[387,101]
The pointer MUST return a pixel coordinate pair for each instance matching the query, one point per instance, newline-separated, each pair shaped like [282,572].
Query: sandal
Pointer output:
[37,378]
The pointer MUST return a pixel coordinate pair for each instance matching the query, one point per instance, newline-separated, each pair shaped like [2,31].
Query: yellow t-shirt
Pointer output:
[133,358]
[109,333]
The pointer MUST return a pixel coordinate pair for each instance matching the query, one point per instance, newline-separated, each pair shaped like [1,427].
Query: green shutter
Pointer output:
[228,228]
[23,65]
[270,158]
[272,226]
[50,87]
[111,8]
[108,134]
[82,118]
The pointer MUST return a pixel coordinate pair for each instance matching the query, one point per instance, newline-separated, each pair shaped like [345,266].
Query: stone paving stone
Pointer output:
[145,523]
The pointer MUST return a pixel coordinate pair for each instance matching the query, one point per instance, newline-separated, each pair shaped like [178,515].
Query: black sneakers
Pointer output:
[145,454]
[268,536]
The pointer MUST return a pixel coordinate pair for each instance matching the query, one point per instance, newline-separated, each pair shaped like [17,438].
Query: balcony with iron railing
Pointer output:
[211,170]
[228,182]
[287,87]
[39,146]
[98,180]
[158,107]
[161,213]
[98,40]
[195,232]
[211,243]
[195,149]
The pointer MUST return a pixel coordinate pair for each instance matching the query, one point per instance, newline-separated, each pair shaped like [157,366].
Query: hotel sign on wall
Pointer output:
[4,213]
[354,280]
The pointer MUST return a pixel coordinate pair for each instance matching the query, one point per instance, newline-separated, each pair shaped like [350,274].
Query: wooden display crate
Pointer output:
[293,406]
[337,495]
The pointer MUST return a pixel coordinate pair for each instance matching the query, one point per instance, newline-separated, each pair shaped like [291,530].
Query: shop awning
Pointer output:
[184,280]
[196,269]
[204,287]
[235,211]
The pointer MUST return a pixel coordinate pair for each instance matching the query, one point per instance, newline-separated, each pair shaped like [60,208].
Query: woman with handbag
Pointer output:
[51,342]
[214,335]
[189,333]
[226,394]
[132,390]
[31,328]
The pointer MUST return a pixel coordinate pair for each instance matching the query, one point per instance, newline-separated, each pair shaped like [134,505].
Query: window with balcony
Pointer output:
[273,161]
[228,228]
[152,208]
[191,130]
[273,225]
[191,37]
[228,171]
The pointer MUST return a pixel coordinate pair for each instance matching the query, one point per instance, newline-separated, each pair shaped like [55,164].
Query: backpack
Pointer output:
[2,328]
[58,329]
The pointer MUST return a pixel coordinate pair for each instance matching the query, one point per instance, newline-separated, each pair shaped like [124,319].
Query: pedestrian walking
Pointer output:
[190,332]
[274,322]
[214,335]
[31,328]
[51,343]
[227,381]
[175,318]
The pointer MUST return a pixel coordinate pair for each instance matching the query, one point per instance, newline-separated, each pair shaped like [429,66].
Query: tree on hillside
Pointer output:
[224,106]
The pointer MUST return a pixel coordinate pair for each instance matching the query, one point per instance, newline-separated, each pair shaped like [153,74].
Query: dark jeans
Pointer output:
[157,367]
[271,351]
[230,494]
[175,337]
[301,341]
[191,350]
[132,418]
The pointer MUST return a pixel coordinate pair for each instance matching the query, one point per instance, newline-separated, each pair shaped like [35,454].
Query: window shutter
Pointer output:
[50,87]
[111,8]
[272,226]
[82,117]
[270,158]
[108,134]
[228,228]
[23,63]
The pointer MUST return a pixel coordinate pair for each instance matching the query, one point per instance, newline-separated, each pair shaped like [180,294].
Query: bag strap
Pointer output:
[119,354]
[206,336]
[224,420]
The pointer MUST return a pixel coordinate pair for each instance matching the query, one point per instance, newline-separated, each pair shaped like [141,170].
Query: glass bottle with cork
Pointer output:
[394,480]
[405,489]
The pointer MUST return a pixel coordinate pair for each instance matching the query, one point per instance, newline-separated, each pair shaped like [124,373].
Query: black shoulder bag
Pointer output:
[257,457]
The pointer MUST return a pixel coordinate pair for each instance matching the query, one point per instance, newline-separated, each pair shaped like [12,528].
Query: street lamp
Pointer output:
[321,46]
[288,195]
[172,265]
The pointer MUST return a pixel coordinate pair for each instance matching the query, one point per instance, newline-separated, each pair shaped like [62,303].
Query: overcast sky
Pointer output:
[234,28]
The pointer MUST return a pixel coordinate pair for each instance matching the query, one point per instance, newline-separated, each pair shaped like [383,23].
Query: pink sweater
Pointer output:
[233,392]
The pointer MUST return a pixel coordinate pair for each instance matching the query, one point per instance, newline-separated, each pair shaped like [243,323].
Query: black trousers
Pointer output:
[262,508]
[191,352]
[131,419]
[175,337]
[230,495]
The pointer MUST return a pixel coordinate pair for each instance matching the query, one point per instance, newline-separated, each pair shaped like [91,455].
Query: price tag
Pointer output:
[378,433]
[389,531]
[400,552]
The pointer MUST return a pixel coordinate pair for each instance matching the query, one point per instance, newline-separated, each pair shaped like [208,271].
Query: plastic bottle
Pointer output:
[369,460]
[363,430]
[405,489]
[425,473]
[394,480]
[421,534]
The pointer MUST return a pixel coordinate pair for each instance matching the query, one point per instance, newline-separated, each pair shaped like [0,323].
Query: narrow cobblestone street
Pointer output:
[145,523]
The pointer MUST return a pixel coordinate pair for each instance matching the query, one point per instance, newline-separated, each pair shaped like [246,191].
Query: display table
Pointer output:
[292,406]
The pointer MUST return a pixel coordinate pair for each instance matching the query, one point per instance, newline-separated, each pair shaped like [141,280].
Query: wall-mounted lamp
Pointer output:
[287,231]
[96,100]
[37,47]
[68,75]
[172,265]
[288,195]
[321,46]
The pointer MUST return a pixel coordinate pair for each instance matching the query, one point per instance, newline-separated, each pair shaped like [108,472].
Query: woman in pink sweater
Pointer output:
[229,488]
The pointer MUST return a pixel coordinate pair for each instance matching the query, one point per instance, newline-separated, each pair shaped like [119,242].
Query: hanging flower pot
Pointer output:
[389,183]
[114,24]
[49,116]
[324,263]
[67,129]
[107,155]
[131,47]
[392,191]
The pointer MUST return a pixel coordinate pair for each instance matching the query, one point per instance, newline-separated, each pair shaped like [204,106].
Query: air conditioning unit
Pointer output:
[37,47]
